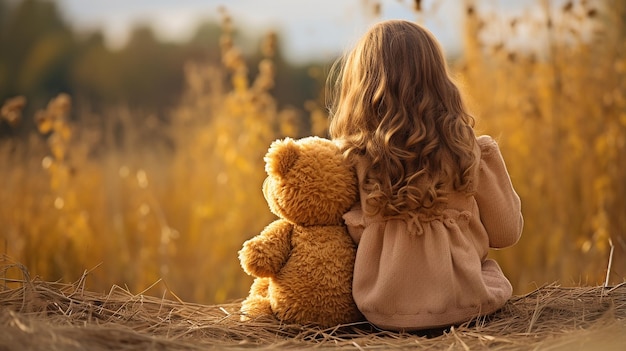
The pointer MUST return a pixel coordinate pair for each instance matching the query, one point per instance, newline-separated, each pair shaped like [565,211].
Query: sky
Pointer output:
[310,29]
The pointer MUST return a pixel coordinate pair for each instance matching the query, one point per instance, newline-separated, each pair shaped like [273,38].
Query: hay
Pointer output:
[36,314]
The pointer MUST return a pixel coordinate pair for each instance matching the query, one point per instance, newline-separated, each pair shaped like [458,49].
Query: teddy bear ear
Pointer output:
[281,157]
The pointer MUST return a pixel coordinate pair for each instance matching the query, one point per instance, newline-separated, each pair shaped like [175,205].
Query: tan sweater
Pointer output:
[419,273]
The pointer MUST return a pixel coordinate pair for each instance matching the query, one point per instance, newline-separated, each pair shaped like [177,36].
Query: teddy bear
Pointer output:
[303,261]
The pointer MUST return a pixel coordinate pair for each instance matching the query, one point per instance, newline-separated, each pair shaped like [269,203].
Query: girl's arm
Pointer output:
[498,203]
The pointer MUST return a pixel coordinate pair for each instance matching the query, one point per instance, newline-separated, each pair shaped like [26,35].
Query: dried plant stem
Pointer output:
[608,268]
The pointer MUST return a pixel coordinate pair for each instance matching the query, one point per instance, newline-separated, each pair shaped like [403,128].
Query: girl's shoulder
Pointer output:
[487,146]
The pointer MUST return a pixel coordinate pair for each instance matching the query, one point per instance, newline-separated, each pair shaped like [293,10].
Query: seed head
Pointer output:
[12,110]
[417,5]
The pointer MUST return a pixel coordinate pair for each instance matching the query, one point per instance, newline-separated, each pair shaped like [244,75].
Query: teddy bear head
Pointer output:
[309,182]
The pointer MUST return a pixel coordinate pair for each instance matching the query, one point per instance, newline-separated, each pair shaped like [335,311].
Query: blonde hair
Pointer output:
[396,108]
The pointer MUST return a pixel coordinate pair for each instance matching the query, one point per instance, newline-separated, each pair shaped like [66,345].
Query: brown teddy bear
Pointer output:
[303,261]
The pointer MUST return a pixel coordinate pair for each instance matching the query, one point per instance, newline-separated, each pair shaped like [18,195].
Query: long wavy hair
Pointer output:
[395,107]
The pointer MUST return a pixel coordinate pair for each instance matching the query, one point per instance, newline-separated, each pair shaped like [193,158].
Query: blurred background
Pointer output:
[132,133]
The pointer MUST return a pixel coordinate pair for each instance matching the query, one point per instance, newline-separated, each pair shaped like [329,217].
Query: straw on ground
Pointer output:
[36,313]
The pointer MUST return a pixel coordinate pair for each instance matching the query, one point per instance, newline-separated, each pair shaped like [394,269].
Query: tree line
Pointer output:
[42,55]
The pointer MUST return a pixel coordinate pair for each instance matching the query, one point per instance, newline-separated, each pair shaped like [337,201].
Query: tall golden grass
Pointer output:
[559,112]
[102,194]
[80,195]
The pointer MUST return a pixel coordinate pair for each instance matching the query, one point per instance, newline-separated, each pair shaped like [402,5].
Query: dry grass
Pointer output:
[57,316]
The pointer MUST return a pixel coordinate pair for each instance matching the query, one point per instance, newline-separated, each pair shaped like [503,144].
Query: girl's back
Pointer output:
[420,271]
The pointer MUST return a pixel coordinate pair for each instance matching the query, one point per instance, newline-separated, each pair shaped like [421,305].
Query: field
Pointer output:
[161,208]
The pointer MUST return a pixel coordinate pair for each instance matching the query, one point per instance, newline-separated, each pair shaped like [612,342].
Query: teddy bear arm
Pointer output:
[265,254]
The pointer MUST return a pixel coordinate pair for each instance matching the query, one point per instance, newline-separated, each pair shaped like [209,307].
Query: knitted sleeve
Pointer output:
[498,203]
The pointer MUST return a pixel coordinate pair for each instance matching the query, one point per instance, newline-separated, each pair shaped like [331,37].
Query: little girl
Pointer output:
[433,197]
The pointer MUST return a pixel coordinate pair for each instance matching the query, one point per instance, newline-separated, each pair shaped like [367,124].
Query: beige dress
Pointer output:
[418,273]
